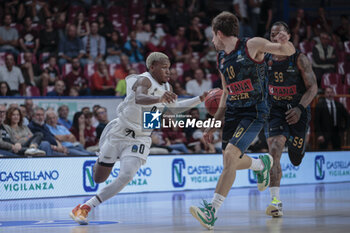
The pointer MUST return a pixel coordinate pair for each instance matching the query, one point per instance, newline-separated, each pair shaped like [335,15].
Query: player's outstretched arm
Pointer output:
[304,65]
[258,46]
[141,87]
[184,105]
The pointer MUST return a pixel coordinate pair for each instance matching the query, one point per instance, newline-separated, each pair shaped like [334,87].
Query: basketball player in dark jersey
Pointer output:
[243,103]
[292,86]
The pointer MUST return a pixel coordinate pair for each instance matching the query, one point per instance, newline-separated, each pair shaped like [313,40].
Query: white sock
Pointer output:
[275,192]
[257,165]
[93,202]
[217,201]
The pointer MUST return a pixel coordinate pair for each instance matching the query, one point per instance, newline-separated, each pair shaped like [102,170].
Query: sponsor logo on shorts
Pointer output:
[88,180]
[134,148]
[319,167]
[178,167]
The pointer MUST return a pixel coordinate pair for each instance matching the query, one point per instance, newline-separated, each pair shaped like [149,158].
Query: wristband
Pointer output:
[301,107]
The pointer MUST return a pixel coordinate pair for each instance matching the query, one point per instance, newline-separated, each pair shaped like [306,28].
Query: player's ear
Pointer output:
[219,34]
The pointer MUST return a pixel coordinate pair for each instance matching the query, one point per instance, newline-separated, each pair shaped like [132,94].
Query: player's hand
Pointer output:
[320,139]
[202,97]
[293,115]
[208,135]
[168,97]
[282,37]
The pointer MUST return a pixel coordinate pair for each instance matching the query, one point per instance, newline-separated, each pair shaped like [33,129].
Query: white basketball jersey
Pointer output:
[129,113]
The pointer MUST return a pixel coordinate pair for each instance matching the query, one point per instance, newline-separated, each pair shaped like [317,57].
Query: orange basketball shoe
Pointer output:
[80,214]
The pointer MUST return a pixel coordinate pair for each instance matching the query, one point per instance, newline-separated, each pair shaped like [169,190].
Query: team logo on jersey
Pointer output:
[269,64]
[239,57]
[151,120]
[290,67]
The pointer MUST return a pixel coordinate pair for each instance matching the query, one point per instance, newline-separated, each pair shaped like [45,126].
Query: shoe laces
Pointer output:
[84,210]
[208,206]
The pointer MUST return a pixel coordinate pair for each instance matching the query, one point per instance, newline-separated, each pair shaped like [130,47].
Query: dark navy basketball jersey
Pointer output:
[246,79]
[286,85]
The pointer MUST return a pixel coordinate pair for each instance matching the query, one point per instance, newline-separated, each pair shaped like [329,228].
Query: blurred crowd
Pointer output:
[88,47]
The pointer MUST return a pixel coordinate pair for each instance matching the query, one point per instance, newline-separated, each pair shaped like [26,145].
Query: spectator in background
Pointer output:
[195,35]
[179,15]
[199,84]
[104,27]
[23,110]
[189,74]
[82,129]
[102,83]
[65,137]
[180,50]
[29,40]
[141,34]
[36,9]
[114,48]
[8,36]
[101,116]
[331,119]
[12,75]
[175,83]
[321,24]
[265,18]
[301,28]
[120,89]
[241,9]
[77,79]
[30,71]
[38,125]
[4,89]
[254,16]
[123,70]
[81,24]
[343,31]
[134,49]
[323,57]
[94,46]
[58,89]
[7,148]
[50,74]
[175,138]
[70,47]
[73,91]
[28,103]
[19,133]
[157,11]
[63,112]
[15,8]
[48,38]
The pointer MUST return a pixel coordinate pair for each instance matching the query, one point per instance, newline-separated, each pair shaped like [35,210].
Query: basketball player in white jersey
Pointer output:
[124,138]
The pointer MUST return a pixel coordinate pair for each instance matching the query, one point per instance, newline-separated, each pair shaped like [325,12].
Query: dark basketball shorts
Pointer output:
[295,134]
[242,125]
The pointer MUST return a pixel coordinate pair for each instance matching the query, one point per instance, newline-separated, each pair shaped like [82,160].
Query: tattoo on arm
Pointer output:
[309,78]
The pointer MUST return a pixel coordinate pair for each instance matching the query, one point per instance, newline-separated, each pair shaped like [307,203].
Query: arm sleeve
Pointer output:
[184,105]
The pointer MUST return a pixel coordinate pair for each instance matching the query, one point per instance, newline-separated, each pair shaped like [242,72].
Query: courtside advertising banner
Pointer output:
[23,178]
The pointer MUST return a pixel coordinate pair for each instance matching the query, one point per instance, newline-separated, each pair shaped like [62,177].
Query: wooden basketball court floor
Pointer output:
[307,209]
